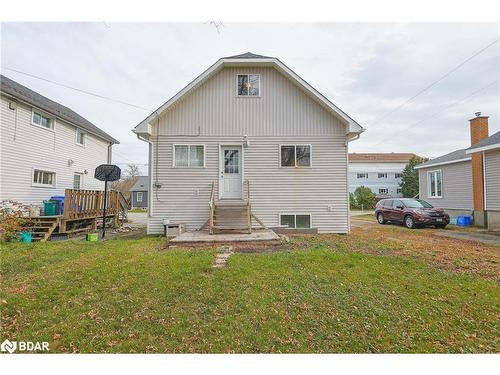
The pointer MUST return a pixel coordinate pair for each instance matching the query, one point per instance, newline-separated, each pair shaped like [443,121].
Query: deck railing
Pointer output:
[80,204]
[211,209]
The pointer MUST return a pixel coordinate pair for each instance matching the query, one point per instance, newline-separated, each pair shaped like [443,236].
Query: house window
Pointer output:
[248,84]
[77,181]
[362,175]
[382,175]
[398,190]
[383,191]
[294,221]
[80,137]
[435,184]
[295,155]
[189,156]
[44,178]
[39,119]
[139,196]
[398,175]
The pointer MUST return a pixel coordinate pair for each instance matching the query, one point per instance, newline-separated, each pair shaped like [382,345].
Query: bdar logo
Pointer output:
[8,346]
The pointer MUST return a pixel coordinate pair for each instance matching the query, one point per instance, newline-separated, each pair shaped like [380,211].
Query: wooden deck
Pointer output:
[82,213]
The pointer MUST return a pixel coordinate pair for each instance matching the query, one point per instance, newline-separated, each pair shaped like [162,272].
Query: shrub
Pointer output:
[364,198]
[11,223]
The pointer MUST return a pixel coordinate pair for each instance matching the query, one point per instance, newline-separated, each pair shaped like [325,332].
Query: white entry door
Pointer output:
[230,180]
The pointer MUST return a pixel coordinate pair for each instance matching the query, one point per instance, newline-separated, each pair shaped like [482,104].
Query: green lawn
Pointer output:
[133,296]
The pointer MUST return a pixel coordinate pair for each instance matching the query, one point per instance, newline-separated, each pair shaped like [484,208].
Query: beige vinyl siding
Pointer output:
[457,186]
[215,110]
[492,169]
[184,193]
[25,147]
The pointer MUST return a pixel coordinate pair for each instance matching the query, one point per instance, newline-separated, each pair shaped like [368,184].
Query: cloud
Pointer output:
[366,69]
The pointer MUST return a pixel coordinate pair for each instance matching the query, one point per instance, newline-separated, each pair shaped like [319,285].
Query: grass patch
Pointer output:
[131,296]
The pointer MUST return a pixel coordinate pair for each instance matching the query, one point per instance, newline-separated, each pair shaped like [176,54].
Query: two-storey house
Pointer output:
[46,147]
[249,132]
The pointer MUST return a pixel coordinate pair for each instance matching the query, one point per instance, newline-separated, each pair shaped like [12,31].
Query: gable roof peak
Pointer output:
[248,55]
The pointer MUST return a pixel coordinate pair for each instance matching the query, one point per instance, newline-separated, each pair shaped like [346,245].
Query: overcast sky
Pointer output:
[368,70]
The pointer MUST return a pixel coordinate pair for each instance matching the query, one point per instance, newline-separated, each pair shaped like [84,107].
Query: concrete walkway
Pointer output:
[204,236]
[137,219]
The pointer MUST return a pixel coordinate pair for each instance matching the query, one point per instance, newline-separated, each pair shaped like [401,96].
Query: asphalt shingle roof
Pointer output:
[248,55]
[27,95]
[141,184]
[452,156]
[491,140]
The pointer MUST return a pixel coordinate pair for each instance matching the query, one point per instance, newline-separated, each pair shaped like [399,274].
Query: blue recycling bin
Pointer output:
[60,203]
[464,221]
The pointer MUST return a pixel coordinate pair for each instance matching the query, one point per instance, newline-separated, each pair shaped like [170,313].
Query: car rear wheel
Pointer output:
[380,218]
[441,226]
[409,222]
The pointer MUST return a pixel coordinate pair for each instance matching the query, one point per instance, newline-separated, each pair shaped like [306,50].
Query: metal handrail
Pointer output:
[211,210]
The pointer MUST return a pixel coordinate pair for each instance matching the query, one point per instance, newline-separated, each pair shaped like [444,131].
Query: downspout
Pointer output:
[149,173]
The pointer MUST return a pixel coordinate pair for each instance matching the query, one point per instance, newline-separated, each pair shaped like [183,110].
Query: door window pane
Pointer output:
[287,221]
[77,181]
[231,161]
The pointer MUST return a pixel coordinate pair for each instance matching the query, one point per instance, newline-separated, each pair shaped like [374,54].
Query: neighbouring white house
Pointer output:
[46,147]
[467,181]
[249,132]
[381,172]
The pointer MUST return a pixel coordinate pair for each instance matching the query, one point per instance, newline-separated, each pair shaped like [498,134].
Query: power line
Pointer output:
[441,110]
[435,82]
[80,90]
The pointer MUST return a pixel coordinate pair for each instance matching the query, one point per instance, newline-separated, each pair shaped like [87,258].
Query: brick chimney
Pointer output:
[478,132]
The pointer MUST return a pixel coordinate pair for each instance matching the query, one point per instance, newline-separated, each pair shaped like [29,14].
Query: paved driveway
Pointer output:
[137,219]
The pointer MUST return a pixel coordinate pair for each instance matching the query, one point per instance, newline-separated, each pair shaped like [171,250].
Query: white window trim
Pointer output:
[77,130]
[249,96]
[45,114]
[137,196]
[189,155]
[384,173]
[43,170]
[295,214]
[398,173]
[429,184]
[386,190]
[364,173]
[297,144]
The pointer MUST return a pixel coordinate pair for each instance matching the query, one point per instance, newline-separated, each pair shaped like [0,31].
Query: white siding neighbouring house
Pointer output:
[208,134]
[41,159]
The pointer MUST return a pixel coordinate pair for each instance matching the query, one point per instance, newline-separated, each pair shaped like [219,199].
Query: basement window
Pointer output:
[434,184]
[248,85]
[189,156]
[295,221]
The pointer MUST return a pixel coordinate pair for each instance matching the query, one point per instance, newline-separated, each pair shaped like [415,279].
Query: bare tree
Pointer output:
[132,171]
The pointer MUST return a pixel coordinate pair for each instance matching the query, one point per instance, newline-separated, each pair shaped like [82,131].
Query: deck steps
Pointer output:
[42,228]
[232,217]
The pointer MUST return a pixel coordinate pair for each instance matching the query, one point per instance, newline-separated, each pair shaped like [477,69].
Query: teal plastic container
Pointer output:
[25,237]
[49,208]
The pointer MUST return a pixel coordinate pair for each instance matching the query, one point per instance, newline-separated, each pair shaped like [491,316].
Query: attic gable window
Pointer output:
[248,85]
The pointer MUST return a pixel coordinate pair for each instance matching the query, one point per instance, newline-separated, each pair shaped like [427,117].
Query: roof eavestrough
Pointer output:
[250,58]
